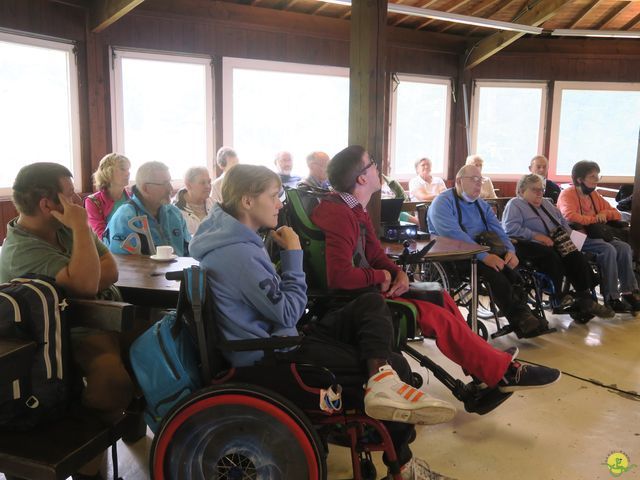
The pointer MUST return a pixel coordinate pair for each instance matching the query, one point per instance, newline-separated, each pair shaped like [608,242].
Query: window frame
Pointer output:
[69,47]
[231,63]
[435,80]
[117,105]
[543,85]
[558,87]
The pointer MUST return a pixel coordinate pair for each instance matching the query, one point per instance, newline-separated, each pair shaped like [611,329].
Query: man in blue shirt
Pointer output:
[459,213]
[148,220]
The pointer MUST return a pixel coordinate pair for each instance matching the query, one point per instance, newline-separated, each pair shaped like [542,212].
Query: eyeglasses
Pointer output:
[474,179]
[370,164]
[596,177]
[163,184]
[537,191]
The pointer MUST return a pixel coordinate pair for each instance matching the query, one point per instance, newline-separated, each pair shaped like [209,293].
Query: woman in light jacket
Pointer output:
[194,200]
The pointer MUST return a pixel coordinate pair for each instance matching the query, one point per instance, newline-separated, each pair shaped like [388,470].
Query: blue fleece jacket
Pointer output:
[443,220]
[252,301]
[520,221]
[128,224]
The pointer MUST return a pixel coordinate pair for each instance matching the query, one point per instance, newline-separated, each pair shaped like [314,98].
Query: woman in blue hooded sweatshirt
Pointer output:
[253,301]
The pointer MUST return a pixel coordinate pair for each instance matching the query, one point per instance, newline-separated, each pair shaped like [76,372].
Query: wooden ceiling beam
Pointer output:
[611,15]
[485,48]
[457,5]
[473,13]
[106,12]
[499,8]
[583,13]
[406,17]
[631,23]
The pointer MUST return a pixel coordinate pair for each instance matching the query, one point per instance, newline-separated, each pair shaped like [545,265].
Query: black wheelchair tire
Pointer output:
[236,431]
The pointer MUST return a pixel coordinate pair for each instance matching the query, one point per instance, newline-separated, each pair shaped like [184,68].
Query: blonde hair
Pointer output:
[527,181]
[104,174]
[241,180]
[471,159]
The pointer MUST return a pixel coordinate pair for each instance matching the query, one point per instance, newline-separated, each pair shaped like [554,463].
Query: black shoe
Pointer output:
[521,377]
[591,307]
[633,301]
[525,323]
[619,305]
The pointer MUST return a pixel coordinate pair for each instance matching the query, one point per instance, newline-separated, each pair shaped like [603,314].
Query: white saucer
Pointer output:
[164,259]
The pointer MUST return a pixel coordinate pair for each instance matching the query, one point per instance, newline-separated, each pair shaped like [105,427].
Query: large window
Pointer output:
[420,124]
[38,106]
[595,121]
[163,110]
[508,125]
[273,106]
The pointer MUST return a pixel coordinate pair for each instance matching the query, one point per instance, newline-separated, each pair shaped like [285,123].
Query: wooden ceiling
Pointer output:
[575,14]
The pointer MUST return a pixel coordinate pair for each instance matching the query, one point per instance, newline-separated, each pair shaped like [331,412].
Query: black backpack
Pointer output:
[33,309]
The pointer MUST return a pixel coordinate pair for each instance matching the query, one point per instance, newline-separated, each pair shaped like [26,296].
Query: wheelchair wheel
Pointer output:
[434,272]
[483,332]
[417,379]
[236,432]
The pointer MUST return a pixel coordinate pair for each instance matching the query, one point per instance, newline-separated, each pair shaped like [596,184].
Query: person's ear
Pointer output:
[361,180]
[246,202]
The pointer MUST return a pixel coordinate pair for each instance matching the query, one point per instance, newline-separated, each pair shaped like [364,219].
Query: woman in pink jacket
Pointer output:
[110,180]
[581,204]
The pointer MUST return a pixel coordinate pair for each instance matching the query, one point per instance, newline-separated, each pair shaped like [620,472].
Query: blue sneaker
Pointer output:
[521,377]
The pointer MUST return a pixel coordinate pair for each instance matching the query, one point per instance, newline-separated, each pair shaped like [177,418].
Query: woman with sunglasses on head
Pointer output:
[581,204]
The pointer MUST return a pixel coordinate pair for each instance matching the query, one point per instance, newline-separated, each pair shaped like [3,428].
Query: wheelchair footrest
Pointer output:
[483,400]
[537,333]
[504,330]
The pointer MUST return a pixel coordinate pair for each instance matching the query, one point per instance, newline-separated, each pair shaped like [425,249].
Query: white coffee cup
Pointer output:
[164,251]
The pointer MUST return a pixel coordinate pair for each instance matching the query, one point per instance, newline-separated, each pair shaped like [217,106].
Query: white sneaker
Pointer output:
[418,469]
[389,398]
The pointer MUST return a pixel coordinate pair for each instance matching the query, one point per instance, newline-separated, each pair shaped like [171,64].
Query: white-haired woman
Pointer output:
[534,221]
[194,200]
[487,190]
[110,180]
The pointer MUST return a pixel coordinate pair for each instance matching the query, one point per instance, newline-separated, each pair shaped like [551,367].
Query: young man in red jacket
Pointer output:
[356,260]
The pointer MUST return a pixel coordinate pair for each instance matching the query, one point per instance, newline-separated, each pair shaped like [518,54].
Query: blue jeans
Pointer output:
[615,260]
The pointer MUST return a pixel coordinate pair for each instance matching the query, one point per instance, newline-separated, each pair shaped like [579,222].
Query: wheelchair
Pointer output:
[455,279]
[274,420]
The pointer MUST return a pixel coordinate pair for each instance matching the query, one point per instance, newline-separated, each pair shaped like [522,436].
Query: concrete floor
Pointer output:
[566,431]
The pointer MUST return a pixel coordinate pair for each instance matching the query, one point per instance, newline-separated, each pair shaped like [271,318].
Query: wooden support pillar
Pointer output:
[367,90]
[635,210]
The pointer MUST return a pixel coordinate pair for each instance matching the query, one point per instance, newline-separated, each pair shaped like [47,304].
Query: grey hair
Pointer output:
[223,154]
[527,181]
[420,160]
[193,172]
[146,171]
[472,158]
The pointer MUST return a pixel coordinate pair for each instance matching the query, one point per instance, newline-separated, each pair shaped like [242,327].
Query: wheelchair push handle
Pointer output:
[178,275]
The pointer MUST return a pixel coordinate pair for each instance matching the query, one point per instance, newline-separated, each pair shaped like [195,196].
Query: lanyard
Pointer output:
[555,222]
[457,200]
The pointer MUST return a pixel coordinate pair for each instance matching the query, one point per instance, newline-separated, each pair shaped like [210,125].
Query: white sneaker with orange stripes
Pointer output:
[389,398]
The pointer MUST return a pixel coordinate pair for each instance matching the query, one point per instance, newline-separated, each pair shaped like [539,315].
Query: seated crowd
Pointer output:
[217,224]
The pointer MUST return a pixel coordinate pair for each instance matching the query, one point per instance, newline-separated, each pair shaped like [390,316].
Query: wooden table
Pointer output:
[142,282]
[447,249]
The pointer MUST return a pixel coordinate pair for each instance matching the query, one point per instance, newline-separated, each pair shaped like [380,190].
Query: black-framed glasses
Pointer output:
[371,163]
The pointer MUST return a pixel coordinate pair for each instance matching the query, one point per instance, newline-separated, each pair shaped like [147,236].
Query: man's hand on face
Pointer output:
[399,286]
[72,216]
[511,260]
[493,261]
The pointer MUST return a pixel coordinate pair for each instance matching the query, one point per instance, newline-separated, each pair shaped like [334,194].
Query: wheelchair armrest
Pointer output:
[101,314]
[266,344]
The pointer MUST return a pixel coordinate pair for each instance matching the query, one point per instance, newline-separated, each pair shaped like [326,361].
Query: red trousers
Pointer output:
[458,343]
